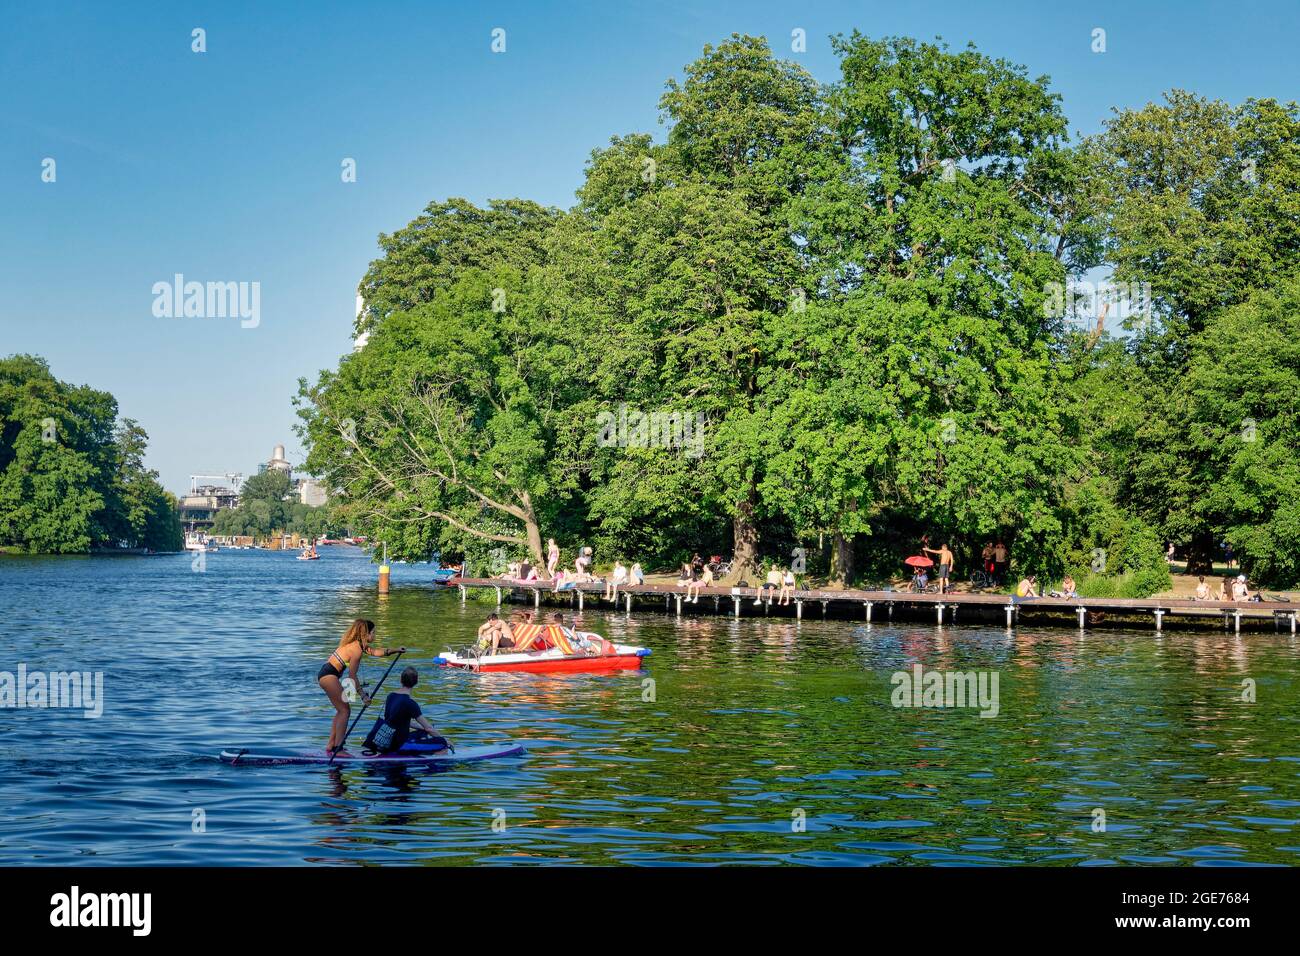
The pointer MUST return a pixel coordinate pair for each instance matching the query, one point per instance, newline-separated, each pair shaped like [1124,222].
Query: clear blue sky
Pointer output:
[225,166]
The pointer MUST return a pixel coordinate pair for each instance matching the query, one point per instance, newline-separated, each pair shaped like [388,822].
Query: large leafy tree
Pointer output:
[453,427]
[688,255]
[922,389]
[1201,202]
[71,478]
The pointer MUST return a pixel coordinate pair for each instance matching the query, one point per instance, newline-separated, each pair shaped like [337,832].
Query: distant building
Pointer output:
[277,463]
[199,508]
[311,492]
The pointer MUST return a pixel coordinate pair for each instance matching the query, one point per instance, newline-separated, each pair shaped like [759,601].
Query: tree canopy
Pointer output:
[833,311]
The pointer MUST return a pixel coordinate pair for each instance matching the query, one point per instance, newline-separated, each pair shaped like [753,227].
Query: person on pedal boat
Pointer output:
[347,657]
[494,634]
[393,730]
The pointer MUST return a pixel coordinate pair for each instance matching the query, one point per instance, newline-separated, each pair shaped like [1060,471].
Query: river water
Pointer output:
[759,741]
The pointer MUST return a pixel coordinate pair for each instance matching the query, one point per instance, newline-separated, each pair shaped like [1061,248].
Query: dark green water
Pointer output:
[766,741]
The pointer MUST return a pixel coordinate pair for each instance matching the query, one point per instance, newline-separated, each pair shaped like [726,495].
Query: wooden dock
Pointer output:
[881,605]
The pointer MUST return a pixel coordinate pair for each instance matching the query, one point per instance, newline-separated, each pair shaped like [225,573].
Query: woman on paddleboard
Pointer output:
[347,657]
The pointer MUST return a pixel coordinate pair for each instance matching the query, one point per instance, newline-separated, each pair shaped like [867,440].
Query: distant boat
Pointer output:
[198,541]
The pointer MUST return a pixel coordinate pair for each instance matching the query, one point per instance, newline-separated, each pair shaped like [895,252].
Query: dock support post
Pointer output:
[1083,613]
[891,610]
[1236,626]
[1011,609]
[1293,622]
[736,600]
[798,610]
[537,597]
[498,602]
[668,599]
[1159,618]
[579,602]
[717,604]
[867,603]
[679,605]
[824,603]
[463,591]
[628,600]
[939,609]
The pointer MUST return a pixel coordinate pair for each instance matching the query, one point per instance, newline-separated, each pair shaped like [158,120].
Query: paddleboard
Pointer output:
[404,758]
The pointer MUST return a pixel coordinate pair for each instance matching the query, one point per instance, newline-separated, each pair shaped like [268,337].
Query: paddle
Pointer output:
[344,741]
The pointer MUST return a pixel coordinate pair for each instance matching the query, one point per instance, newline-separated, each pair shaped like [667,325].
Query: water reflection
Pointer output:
[752,724]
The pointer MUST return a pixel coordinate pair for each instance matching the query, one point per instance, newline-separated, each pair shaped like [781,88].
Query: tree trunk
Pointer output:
[744,561]
[533,531]
[1201,553]
[841,573]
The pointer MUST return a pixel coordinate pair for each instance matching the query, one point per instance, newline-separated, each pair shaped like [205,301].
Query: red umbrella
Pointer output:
[919,561]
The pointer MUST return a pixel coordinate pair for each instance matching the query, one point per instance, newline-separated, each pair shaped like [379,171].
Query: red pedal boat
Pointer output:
[562,651]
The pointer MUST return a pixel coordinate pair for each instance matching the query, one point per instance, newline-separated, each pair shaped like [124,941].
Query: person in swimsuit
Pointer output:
[347,657]
[787,587]
[494,634]
[1202,589]
[552,557]
[945,565]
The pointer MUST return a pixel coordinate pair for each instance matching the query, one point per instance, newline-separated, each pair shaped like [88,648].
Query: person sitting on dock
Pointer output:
[920,581]
[1028,587]
[690,581]
[636,577]
[706,581]
[945,565]
[1067,591]
[1240,590]
[561,580]
[583,564]
[787,587]
[771,585]
[1202,589]
[616,580]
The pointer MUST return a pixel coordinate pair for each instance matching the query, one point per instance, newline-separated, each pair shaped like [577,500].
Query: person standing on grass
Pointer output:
[1000,561]
[945,565]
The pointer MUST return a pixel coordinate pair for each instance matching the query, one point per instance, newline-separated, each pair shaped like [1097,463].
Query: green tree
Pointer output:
[456,420]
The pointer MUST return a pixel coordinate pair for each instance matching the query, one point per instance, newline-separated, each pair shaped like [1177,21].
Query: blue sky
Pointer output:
[225,165]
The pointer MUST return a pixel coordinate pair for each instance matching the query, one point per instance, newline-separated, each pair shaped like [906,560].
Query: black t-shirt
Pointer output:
[399,710]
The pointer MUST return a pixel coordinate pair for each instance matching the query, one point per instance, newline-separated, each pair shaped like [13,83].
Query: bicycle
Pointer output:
[981,579]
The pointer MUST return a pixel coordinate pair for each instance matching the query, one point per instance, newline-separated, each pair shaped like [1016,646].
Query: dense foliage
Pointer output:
[832,314]
[72,475]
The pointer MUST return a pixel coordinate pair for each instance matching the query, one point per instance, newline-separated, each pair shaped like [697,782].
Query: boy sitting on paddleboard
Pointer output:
[393,729]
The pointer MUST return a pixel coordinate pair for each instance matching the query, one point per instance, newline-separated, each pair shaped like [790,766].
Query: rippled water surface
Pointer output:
[761,741]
